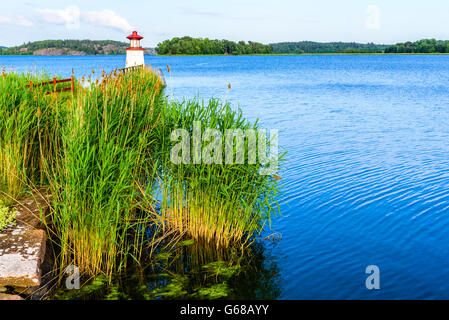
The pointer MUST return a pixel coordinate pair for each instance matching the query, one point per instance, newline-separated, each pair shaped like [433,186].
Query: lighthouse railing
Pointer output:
[131,69]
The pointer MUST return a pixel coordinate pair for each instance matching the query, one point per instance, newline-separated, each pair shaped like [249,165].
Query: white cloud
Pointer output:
[72,16]
[17,21]
[4,19]
[107,18]
[23,22]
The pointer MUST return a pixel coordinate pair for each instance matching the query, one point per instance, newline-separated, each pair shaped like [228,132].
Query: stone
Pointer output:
[22,252]
[28,291]
[23,246]
[32,211]
[10,297]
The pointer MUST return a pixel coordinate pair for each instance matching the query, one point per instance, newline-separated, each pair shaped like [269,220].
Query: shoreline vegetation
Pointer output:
[198,46]
[273,54]
[103,154]
[188,46]
[310,47]
[70,48]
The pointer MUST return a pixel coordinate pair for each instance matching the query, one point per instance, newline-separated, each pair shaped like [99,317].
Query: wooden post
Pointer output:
[31,86]
[54,85]
[72,84]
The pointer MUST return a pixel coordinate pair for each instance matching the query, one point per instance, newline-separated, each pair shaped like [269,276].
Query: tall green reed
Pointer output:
[27,119]
[106,167]
[218,203]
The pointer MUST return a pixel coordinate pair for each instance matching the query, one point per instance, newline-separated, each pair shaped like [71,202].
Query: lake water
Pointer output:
[366,181]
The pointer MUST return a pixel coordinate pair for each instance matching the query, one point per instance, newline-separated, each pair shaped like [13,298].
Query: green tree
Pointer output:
[199,46]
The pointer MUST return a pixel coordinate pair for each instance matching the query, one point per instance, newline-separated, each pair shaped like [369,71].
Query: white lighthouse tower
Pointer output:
[134,54]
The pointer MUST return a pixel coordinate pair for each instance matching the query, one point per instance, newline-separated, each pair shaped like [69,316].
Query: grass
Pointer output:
[106,166]
[104,155]
[18,134]
[7,216]
[27,128]
[223,204]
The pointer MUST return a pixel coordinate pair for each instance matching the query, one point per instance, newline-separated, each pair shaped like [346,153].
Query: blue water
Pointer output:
[366,181]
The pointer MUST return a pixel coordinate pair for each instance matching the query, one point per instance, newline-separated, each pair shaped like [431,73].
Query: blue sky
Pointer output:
[380,21]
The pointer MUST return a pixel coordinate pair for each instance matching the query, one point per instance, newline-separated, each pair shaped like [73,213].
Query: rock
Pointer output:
[31,211]
[48,279]
[22,252]
[58,52]
[49,52]
[23,246]
[28,291]
[10,297]
[75,53]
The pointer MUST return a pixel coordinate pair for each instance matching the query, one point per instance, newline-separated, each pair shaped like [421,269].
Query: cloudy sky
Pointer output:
[267,21]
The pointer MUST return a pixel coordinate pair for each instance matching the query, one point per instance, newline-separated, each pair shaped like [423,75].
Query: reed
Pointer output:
[106,167]
[218,203]
[27,119]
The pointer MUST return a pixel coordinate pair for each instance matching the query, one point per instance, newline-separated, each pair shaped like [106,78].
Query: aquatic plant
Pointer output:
[7,216]
[188,271]
[106,167]
[27,124]
[217,202]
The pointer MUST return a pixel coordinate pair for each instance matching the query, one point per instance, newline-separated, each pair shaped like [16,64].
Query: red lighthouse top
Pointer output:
[135,36]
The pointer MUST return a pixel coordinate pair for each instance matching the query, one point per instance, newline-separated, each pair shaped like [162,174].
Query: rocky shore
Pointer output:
[25,268]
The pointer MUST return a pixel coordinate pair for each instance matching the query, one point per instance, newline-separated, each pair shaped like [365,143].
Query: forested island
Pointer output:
[199,46]
[422,46]
[329,47]
[70,47]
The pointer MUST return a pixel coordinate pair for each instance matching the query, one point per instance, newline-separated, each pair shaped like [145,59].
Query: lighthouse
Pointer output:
[134,54]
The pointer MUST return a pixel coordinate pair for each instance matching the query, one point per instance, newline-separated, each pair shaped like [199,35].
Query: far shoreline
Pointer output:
[306,54]
[244,55]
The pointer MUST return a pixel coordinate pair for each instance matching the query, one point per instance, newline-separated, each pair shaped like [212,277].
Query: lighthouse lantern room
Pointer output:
[134,54]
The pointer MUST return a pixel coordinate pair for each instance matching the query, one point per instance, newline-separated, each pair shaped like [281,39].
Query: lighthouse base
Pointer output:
[134,58]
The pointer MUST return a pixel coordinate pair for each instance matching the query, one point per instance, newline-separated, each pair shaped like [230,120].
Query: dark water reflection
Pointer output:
[191,271]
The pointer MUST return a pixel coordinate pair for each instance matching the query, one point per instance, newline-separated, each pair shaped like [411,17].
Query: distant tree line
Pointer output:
[421,46]
[329,47]
[198,46]
[90,47]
